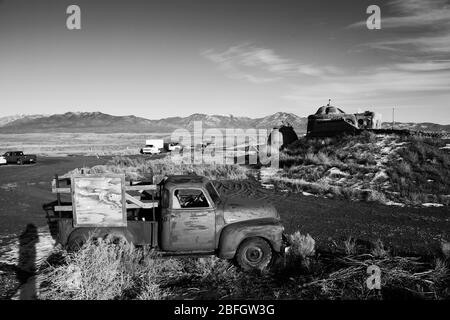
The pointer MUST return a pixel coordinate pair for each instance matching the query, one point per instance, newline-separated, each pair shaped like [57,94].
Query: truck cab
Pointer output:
[186,216]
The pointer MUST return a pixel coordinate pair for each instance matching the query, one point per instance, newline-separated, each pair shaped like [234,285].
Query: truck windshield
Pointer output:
[213,193]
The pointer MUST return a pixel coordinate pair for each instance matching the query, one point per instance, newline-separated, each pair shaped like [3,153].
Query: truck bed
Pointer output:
[140,206]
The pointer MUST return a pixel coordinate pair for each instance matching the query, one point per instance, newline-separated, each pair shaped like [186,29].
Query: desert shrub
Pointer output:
[445,247]
[350,246]
[404,169]
[302,246]
[104,271]
[376,196]
[379,250]
[351,194]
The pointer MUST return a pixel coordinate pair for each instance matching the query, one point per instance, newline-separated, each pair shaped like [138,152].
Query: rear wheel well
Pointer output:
[253,237]
[80,236]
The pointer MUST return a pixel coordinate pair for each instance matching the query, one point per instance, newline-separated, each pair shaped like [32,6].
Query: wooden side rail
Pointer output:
[144,205]
[68,190]
[133,201]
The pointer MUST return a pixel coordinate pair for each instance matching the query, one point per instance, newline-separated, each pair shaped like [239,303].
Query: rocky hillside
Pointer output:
[391,169]
[5,120]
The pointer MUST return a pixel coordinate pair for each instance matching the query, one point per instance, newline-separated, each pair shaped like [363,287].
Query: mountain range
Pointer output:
[105,123]
[98,122]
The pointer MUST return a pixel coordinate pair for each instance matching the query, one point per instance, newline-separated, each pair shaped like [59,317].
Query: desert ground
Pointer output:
[24,189]
[63,144]
[404,230]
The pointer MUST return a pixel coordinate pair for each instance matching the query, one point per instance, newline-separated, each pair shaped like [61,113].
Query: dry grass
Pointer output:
[106,271]
[141,168]
[368,167]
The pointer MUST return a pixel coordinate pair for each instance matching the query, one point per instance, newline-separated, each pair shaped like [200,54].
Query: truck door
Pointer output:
[189,222]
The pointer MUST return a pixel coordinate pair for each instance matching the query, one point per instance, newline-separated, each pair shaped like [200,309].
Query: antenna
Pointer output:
[329,101]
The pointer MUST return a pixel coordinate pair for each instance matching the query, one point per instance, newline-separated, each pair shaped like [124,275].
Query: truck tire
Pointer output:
[80,236]
[75,243]
[118,238]
[254,253]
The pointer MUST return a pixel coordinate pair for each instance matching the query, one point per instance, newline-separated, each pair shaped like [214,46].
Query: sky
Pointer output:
[251,58]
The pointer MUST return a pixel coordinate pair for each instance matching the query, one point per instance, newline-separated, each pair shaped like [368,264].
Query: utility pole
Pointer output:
[393,118]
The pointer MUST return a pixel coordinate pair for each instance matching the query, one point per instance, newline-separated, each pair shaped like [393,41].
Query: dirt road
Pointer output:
[405,230]
[24,189]
[23,230]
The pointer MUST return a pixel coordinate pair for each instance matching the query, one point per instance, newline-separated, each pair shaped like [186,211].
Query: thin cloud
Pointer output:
[428,50]
[398,80]
[414,14]
[439,44]
[261,65]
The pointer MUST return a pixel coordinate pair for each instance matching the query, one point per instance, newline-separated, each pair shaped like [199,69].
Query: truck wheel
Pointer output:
[76,243]
[254,253]
[118,239]
[79,237]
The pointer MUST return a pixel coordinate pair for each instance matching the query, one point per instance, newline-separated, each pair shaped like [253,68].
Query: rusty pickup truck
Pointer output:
[180,215]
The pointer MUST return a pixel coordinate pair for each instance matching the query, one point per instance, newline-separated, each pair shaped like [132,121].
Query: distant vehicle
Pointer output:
[158,143]
[174,146]
[3,160]
[18,157]
[150,149]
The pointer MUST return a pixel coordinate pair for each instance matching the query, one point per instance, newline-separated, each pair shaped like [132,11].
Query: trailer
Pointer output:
[158,143]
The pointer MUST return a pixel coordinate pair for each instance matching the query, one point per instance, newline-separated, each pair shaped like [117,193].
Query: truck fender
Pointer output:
[83,234]
[233,234]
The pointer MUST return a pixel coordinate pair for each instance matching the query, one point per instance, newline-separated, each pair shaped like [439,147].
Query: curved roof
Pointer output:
[329,110]
[185,181]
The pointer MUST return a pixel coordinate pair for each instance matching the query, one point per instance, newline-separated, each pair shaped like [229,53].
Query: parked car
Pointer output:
[18,157]
[3,160]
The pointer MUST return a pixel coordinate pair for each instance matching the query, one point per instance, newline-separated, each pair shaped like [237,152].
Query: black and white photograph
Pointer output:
[225,157]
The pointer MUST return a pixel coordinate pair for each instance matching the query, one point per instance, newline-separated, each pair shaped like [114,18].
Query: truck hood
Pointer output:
[240,209]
